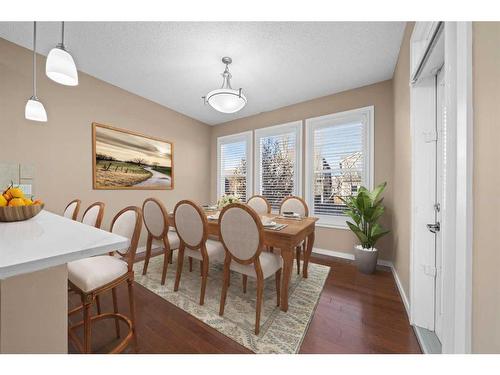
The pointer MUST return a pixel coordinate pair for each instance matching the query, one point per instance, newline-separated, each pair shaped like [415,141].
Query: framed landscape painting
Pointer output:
[123,159]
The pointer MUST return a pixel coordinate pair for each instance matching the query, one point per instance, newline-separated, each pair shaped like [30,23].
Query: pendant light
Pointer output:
[226,99]
[34,109]
[60,66]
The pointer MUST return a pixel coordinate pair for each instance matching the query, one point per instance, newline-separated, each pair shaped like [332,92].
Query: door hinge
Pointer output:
[430,270]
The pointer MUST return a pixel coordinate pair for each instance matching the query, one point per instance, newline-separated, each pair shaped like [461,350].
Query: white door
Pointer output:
[440,127]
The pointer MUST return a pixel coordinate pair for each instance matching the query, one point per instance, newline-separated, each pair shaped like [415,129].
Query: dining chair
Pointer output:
[93,215]
[242,235]
[192,228]
[297,205]
[259,204]
[71,210]
[155,217]
[91,277]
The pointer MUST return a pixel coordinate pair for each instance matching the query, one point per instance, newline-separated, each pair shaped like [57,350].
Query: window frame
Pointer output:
[233,138]
[367,115]
[296,127]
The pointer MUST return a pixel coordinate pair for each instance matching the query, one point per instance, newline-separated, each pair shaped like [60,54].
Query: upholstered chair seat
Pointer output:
[173,240]
[92,273]
[215,251]
[269,262]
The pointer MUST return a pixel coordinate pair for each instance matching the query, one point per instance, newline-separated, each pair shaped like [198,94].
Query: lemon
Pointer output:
[16,202]
[27,201]
[3,201]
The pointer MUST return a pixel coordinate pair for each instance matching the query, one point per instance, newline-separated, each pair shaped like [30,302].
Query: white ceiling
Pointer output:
[176,63]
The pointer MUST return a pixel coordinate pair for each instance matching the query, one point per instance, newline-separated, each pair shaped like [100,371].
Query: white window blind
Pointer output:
[233,168]
[339,161]
[278,152]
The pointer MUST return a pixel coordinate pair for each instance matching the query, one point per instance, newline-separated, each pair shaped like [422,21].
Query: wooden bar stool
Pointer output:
[71,210]
[297,205]
[94,276]
[156,221]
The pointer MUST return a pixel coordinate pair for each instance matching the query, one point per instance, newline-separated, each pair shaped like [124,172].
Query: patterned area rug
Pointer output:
[280,332]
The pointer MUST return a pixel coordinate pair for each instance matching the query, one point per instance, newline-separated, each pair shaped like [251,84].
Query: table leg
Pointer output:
[287,255]
[307,255]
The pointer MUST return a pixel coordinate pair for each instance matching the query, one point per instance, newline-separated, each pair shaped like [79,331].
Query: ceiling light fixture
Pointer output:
[226,99]
[60,66]
[34,109]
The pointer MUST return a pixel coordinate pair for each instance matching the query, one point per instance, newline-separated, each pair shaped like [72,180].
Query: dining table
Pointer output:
[286,239]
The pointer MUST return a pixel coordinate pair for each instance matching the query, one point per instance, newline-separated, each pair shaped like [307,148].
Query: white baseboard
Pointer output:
[381,262]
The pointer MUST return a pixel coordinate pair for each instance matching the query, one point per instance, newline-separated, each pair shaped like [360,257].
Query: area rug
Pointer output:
[280,332]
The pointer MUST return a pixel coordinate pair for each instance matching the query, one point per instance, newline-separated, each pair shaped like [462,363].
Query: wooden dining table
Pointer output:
[285,239]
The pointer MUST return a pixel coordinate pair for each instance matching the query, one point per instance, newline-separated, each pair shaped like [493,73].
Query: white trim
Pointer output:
[295,126]
[457,228]
[367,114]
[243,136]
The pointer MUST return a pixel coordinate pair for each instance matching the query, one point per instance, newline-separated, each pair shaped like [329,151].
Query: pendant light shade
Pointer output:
[60,66]
[34,109]
[226,99]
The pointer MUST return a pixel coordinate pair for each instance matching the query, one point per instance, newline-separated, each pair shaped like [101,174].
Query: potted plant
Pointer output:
[365,209]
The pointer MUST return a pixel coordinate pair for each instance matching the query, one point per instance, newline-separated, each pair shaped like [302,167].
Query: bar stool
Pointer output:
[94,276]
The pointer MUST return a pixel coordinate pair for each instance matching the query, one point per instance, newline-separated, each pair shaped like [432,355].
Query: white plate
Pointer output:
[269,224]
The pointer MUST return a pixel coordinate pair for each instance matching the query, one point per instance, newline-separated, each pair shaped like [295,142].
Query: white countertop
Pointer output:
[48,240]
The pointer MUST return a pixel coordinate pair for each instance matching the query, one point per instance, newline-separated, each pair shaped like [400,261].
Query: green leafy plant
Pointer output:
[227,199]
[365,209]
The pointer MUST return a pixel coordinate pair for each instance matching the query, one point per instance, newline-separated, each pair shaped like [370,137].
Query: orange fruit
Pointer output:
[27,201]
[37,201]
[16,192]
[14,202]
[7,196]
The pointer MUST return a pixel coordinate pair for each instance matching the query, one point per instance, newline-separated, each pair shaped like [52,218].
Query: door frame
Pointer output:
[457,220]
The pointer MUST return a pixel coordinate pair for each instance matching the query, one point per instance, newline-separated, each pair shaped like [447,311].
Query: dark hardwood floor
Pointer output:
[356,314]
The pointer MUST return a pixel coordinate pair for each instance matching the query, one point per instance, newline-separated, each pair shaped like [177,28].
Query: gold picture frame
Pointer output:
[126,160]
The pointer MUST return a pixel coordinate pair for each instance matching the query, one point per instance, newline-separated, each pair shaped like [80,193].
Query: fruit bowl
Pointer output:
[19,213]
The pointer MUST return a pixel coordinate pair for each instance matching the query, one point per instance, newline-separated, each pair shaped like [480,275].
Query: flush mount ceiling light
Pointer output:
[34,109]
[60,66]
[226,99]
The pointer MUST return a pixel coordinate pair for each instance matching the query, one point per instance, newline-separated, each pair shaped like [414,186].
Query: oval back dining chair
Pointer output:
[93,215]
[297,205]
[155,217]
[241,233]
[259,204]
[94,276]
[192,228]
[71,210]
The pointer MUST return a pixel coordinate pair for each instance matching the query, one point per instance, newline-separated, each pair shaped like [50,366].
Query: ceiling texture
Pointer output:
[176,63]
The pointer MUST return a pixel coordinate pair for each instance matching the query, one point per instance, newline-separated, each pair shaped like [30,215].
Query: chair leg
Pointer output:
[190,264]
[87,338]
[277,277]
[98,304]
[245,278]
[115,309]
[170,260]
[297,255]
[201,268]
[131,301]
[258,305]
[166,260]
[224,289]
[149,245]
[180,261]
[271,249]
[204,277]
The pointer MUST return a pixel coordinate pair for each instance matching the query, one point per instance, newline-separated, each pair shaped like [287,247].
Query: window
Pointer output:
[277,162]
[234,165]
[339,159]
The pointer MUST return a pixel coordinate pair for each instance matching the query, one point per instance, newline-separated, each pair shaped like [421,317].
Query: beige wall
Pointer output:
[378,95]
[486,253]
[402,163]
[61,148]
